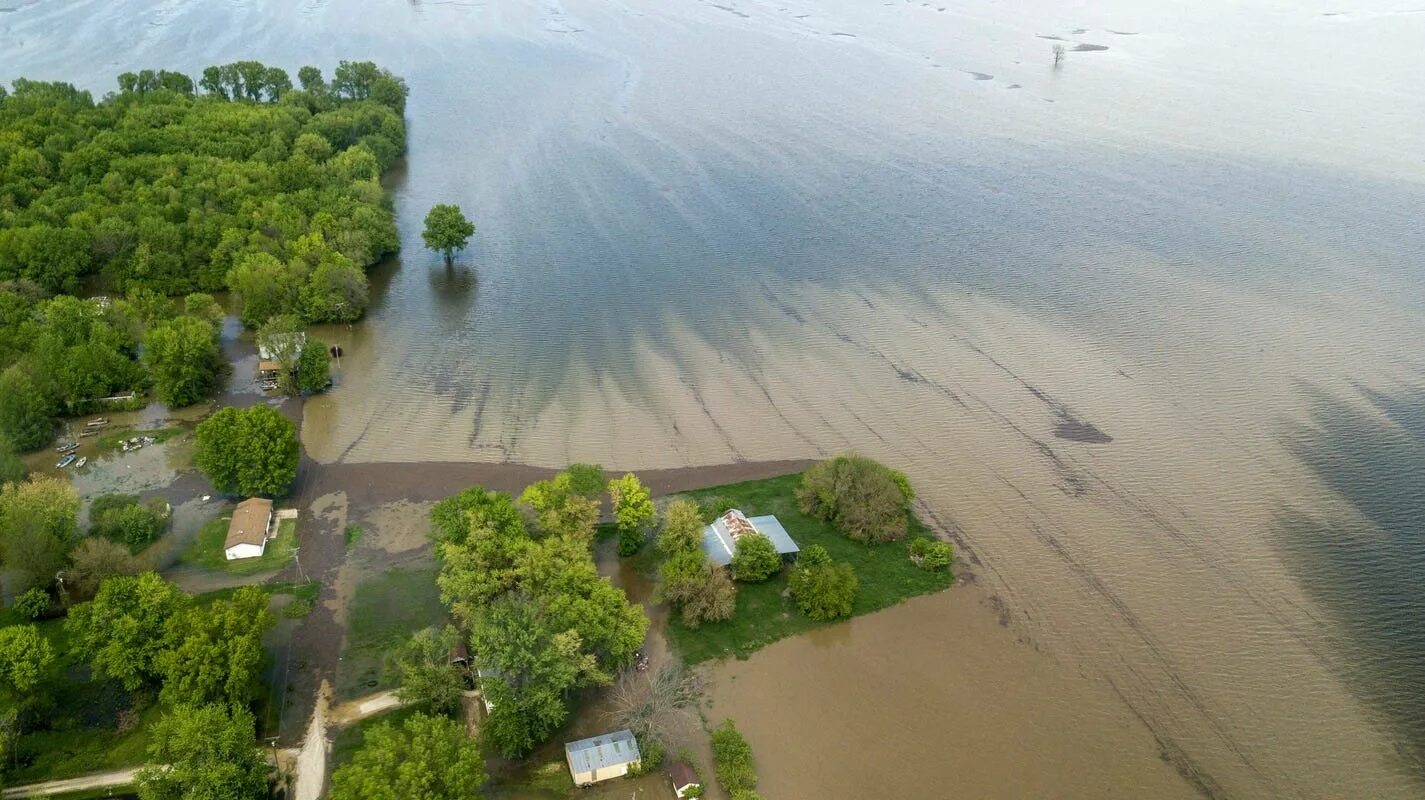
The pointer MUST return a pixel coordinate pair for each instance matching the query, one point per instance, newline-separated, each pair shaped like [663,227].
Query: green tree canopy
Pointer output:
[204,753]
[39,519]
[249,452]
[213,653]
[314,371]
[121,518]
[26,412]
[183,359]
[93,561]
[557,510]
[427,757]
[682,528]
[756,559]
[447,230]
[732,759]
[701,591]
[12,467]
[25,655]
[121,631]
[586,480]
[426,674]
[634,511]
[863,499]
[824,590]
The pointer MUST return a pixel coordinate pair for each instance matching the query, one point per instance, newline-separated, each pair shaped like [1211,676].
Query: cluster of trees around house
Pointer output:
[863,499]
[519,576]
[169,188]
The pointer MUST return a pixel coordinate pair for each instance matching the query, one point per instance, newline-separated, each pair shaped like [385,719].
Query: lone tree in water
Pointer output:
[447,230]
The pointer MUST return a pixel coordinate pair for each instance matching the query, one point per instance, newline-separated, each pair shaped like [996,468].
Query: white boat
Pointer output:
[81,462]
[97,423]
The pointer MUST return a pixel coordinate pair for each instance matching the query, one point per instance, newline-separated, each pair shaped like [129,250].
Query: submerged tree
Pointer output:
[447,230]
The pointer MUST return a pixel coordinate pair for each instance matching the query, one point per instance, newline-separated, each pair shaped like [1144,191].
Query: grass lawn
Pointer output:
[206,549]
[385,610]
[765,612]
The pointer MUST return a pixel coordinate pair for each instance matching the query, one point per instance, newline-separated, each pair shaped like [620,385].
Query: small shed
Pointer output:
[684,779]
[249,529]
[598,758]
[720,538]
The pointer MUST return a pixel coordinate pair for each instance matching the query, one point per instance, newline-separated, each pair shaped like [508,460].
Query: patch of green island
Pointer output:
[766,611]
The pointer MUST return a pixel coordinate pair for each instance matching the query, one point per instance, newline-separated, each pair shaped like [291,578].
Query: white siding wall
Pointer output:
[243,551]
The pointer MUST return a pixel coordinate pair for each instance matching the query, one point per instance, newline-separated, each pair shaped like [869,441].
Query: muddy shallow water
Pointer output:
[1144,330]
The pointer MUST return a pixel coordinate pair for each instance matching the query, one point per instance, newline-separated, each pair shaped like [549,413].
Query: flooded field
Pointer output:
[1144,330]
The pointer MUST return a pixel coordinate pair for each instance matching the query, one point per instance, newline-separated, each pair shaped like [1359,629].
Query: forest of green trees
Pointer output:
[171,188]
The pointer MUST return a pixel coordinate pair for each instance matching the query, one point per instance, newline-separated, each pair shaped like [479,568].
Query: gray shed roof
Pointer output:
[604,750]
[720,545]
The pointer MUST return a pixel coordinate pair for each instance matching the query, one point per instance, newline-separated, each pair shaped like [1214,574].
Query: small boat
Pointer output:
[89,433]
[66,446]
[97,423]
[81,462]
[66,461]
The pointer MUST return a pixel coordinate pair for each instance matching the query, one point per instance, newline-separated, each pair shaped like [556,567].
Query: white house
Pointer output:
[249,530]
[720,538]
[598,758]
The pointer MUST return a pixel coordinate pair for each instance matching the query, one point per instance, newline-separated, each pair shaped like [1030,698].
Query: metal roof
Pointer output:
[604,750]
[249,522]
[720,545]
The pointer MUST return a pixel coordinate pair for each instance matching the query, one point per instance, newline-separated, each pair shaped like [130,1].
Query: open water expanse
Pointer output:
[1147,331]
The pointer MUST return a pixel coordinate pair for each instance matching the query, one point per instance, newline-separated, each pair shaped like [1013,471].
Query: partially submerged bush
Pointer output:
[860,497]
[824,590]
[931,554]
[732,760]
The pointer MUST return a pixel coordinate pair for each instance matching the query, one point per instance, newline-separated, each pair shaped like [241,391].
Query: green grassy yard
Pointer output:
[386,609]
[765,611]
[206,549]
[114,439]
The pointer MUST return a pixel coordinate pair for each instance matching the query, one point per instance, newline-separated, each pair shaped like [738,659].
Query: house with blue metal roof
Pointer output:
[598,758]
[720,538]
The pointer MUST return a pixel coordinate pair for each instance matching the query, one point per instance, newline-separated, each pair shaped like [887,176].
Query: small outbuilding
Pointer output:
[684,779]
[720,538]
[598,758]
[249,530]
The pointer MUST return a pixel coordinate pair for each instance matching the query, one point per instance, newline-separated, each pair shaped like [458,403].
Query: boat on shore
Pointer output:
[65,446]
[64,462]
[97,423]
[81,462]
[94,432]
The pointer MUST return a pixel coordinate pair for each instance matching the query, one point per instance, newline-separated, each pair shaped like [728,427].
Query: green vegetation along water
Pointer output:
[1140,329]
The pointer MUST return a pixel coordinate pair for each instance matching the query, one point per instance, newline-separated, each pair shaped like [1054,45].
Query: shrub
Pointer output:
[931,554]
[861,498]
[732,759]
[120,518]
[824,591]
[701,591]
[314,368]
[756,559]
[33,603]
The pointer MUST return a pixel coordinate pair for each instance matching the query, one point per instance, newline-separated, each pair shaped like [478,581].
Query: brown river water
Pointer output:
[1145,330]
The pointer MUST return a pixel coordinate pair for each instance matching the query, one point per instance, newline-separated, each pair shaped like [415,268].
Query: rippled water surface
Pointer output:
[1146,330]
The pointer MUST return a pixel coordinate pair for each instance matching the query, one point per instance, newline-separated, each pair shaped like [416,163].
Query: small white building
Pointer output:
[249,530]
[598,758]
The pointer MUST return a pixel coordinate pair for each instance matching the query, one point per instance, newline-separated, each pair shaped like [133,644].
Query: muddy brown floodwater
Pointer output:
[1143,329]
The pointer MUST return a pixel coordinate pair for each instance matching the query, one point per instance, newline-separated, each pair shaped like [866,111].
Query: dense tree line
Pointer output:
[237,181]
[543,623]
